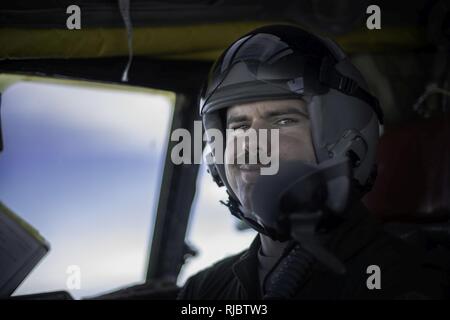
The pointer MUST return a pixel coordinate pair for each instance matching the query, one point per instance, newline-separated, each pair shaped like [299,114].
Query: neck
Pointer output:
[272,248]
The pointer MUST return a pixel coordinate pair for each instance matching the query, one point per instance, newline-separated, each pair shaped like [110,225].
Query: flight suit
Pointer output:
[359,242]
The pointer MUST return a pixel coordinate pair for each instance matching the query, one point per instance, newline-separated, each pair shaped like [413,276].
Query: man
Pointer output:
[316,240]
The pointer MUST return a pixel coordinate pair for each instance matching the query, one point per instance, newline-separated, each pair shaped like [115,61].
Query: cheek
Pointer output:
[296,144]
[231,174]
[233,147]
[230,169]
[229,153]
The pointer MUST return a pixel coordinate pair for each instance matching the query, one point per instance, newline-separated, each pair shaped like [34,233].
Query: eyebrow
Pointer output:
[272,113]
[282,112]
[237,118]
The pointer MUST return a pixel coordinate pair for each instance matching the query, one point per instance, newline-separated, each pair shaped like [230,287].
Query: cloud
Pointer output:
[114,120]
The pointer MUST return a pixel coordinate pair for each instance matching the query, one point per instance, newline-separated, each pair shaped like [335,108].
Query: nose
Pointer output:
[257,142]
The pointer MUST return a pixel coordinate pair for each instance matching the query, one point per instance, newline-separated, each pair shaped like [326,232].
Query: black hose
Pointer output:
[290,274]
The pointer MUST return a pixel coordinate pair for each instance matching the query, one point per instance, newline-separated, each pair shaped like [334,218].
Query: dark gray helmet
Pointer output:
[282,62]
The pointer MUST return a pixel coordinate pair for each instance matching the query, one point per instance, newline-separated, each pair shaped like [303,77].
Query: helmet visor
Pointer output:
[261,66]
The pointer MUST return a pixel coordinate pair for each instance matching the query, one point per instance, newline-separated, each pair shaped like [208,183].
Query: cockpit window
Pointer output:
[83,164]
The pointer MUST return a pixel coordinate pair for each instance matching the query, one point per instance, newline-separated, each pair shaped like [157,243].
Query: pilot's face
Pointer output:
[292,120]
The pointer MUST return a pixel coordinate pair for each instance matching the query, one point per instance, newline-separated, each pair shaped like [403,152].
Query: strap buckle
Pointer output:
[347,85]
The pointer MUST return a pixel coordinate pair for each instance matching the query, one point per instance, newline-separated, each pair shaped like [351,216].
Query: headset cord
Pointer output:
[291,273]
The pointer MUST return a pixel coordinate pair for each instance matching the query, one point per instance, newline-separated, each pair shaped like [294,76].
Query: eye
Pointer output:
[240,127]
[286,121]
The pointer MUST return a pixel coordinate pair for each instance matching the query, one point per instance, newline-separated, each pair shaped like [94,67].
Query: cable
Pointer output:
[124,7]
[291,273]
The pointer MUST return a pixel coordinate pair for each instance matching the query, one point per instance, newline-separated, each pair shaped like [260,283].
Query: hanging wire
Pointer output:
[124,7]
